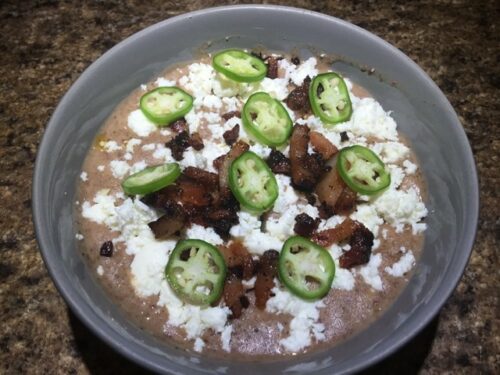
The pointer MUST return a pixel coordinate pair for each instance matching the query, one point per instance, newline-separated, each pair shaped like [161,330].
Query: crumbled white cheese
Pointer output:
[131,143]
[84,176]
[79,236]
[119,168]
[307,68]
[212,102]
[343,279]
[137,167]
[100,168]
[370,273]
[110,146]
[287,196]
[127,156]
[249,284]
[390,152]
[226,338]
[410,168]
[199,344]
[162,152]
[100,270]
[198,232]
[397,175]
[140,124]
[261,150]
[305,319]
[148,147]
[231,104]
[281,225]
[400,207]
[368,216]
[163,82]
[277,88]
[402,266]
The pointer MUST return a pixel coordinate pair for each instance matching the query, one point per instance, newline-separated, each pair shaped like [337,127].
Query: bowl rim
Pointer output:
[104,331]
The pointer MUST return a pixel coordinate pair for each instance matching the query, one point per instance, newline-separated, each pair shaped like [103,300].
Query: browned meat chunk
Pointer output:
[338,234]
[170,223]
[196,141]
[329,188]
[231,136]
[236,150]
[279,163]
[202,177]
[298,99]
[361,243]
[179,144]
[179,125]
[106,249]
[272,67]
[226,116]
[234,295]
[306,169]
[305,225]
[346,201]
[322,145]
[238,260]
[222,219]
[267,270]
[344,137]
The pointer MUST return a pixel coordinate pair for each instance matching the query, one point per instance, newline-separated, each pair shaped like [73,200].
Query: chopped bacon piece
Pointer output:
[196,141]
[361,243]
[236,150]
[346,201]
[202,177]
[272,67]
[222,219]
[329,188]
[238,260]
[266,272]
[217,163]
[106,249]
[344,137]
[305,225]
[338,234]
[226,116]
[306,169]
[298,99]
[279,163]
[233,295]
[179,144]
[179,125]
[170,223]
[231,136]
[322,145]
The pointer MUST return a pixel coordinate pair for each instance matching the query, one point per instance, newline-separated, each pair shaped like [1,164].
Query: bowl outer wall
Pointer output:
[138,59]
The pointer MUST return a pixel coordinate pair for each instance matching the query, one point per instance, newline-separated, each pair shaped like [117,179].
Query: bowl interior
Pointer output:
[422,112]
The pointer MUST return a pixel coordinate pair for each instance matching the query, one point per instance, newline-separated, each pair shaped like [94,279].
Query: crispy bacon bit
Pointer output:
[233,294]
[222,219]
[236,150]
[217,163]
[192,193]
[266,272]
[179,144]
[106,249]
[295,60]
[272,67]
[202,177]
[298,99]
[329,188]
[170,223]
[231,136]
[305,225]
[238,260]
[196,141]
[306,169]
[325,212]
[361,243]
[226,116]
[179,126]
[338,234]
[346,201]
[279,163]
[322,145]
[344,137]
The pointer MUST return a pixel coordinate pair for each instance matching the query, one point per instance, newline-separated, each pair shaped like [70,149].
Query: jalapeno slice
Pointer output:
[362,170]
[151,179]
[330,99]
[252,182]
[239,66]
[196,272]
[305,268]
[164,105]
[266,119]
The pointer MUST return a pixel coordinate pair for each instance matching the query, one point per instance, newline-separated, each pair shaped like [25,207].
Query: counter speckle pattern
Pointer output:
[45,45]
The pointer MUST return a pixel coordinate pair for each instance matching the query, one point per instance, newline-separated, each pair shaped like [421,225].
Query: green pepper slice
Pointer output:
[164,105]
[239,66]
[252,182]
[151,179]
[266,119]
[362,170]
[305,268]
[330,99]
[196,272]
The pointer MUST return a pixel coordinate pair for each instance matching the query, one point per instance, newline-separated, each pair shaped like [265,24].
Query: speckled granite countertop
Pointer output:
[45,45]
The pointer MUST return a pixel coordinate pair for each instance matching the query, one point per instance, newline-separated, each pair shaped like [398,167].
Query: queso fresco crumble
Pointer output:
[259,204]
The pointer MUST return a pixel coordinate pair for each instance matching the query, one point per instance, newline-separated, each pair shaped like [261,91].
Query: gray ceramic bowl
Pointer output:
[421,110]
